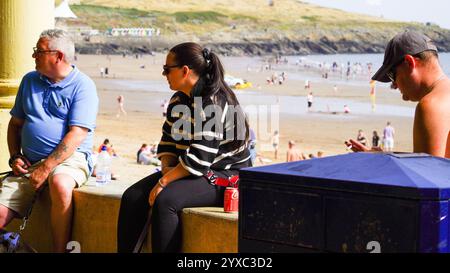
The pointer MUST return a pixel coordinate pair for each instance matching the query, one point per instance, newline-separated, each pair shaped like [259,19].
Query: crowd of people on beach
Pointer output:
[336,69]
[276,79]
[385,143]
[292,153]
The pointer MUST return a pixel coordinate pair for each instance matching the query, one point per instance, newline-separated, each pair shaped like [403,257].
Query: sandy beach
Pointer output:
[325,128]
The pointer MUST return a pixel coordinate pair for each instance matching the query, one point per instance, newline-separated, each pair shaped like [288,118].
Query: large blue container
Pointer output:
[358,202]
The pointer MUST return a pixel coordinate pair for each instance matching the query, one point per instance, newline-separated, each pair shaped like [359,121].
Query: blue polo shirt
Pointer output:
[50,108]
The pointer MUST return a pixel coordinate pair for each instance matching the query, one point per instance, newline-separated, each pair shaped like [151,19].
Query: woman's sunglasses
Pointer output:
[166,68]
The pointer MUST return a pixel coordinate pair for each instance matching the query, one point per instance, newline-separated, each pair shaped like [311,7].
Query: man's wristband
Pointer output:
[13,158]
[161,184]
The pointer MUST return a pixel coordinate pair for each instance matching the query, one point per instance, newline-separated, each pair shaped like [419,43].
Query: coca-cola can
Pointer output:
[231,200]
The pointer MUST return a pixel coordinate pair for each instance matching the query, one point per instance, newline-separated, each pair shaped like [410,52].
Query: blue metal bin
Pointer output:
[358,202]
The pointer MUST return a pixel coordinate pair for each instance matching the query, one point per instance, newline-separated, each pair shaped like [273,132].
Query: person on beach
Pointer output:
[109,147]
[145,156]
[216,131]
[307,84]
[50,135]
[373,94]
[346,109]
[120,110]
[375,139]
[388,137]
[293,154]
[411,64]
[275,143]
[252,145]
[310,100]
[361,138]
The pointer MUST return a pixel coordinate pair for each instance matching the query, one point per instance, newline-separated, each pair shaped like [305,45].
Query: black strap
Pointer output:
[8,173]
[143,235]
[30,208]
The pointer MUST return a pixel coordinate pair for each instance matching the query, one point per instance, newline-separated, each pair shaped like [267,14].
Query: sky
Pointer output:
[434,11]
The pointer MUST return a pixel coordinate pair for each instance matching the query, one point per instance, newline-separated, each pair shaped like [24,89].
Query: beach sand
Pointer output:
[316,131]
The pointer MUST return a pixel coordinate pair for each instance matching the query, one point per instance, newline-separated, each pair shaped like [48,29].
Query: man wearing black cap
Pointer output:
[411,64]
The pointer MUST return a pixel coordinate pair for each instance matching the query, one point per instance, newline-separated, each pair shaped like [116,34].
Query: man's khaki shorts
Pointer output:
[16,192]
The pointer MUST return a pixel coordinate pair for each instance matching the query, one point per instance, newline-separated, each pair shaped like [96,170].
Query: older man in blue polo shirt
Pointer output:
[50,135]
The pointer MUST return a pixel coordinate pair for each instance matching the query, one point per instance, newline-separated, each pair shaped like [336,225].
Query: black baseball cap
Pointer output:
[406,43]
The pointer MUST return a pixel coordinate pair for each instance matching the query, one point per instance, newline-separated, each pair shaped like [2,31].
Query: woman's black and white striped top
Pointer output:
[167,145]
[206,148]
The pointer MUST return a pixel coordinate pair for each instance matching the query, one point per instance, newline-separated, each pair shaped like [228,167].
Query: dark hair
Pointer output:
[106,141]
[207,65]
[427,55]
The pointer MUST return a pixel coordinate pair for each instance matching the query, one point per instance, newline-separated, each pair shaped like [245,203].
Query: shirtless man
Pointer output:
[293,154]
[411,64]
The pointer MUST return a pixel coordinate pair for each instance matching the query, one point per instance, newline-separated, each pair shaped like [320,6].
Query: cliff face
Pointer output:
[345,42]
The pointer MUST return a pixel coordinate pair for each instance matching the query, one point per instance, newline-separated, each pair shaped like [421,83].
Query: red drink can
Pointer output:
[231,200]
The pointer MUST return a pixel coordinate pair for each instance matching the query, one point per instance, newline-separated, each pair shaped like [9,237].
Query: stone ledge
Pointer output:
[209,229]
[96,211]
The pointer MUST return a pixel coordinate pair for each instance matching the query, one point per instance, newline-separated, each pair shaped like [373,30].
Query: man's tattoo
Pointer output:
[62,148]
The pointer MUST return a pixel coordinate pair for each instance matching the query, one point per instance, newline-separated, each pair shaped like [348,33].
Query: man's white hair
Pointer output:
[59,39]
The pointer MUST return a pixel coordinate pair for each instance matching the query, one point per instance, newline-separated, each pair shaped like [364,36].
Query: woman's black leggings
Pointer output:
[190,191]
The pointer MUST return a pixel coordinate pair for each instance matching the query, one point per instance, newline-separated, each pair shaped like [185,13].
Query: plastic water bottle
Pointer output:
[103,170]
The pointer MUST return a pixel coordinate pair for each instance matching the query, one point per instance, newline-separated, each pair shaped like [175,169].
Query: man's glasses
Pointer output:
[37,51]
[166,68]
[392,74]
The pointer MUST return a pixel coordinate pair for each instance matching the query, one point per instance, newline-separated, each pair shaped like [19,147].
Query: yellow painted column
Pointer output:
[21,22]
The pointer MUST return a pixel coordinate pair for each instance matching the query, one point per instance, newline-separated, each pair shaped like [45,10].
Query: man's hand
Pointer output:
[20,166]
[38,176]
[356,146]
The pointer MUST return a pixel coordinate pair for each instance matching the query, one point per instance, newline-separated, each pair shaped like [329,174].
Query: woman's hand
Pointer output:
[154,193]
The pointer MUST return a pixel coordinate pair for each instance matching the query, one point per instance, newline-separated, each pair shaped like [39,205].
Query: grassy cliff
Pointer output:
[289,23]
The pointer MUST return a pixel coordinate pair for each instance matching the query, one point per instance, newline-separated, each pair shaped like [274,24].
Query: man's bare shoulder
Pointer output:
[437,102]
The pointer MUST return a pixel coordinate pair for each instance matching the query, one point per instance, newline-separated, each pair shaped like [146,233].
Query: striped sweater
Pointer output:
[198,151]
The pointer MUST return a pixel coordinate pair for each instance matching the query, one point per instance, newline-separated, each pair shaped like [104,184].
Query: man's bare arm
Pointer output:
[431,127]
[67,147]
[14,136]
